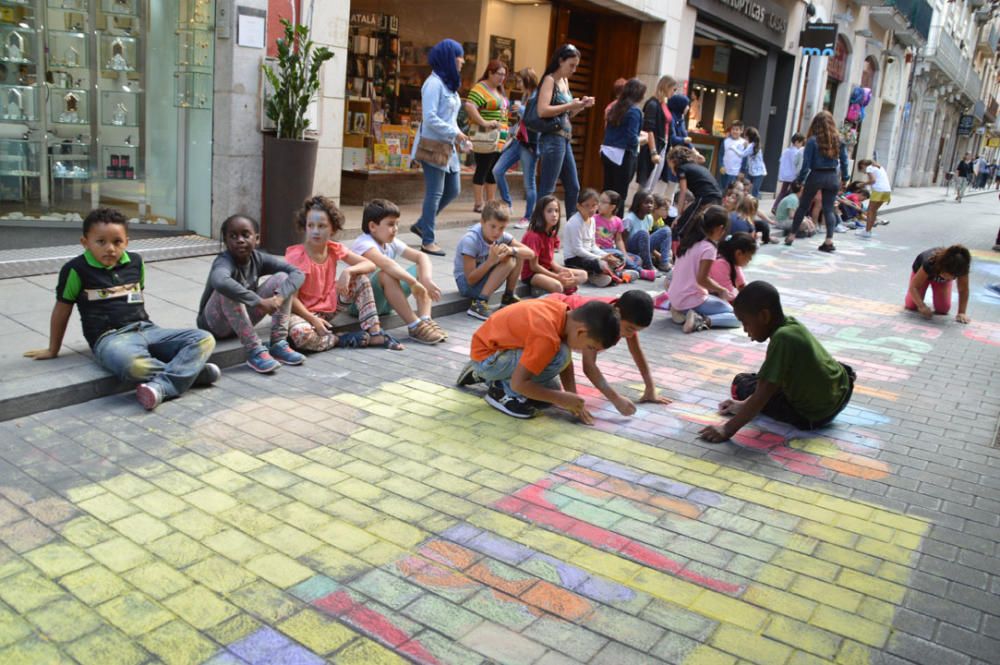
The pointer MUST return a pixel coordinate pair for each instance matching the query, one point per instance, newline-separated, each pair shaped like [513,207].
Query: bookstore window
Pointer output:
[387,65]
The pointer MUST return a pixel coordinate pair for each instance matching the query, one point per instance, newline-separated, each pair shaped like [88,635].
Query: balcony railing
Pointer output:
[944,54]
[909,19]
[986,44]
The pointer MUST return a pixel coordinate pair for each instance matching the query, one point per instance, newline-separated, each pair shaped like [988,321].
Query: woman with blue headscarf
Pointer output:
[440,101]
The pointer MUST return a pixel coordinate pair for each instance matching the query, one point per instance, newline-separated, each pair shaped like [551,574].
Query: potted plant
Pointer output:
[289,157]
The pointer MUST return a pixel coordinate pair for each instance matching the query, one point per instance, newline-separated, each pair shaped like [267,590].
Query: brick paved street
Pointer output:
[361,509]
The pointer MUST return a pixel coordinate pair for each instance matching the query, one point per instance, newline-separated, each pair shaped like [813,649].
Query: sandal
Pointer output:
[353,340]
[789,239]
[477,208]
[438,328]
[388,341]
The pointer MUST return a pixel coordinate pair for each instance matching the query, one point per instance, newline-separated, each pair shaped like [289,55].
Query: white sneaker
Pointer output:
[864,235]
[693,322]
[677,316]
[840,228]
[523,224]
[600,280]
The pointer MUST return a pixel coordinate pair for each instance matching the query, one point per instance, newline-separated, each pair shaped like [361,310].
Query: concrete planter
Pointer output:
[289,166]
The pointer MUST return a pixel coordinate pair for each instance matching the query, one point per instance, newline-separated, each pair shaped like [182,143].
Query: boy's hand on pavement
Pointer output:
[713,434]
[40,354]
[624,405]
[652,397]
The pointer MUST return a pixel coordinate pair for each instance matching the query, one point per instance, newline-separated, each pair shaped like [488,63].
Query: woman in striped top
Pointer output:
[487,108]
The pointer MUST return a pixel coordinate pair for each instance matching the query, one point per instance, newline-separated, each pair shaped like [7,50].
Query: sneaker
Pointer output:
[629,276]
[208,375]
[285,355]
[425,332]
[536,404]
[509,299]
[523,224]
[693,322]
[864,235]
[994,288]
[840,228]
[600,280]
[479,309]
[647,275]
[498,398]
[261,361]
[882,222]
[827,248]
[661,301]
[664,267]
[467,376]
[149,395]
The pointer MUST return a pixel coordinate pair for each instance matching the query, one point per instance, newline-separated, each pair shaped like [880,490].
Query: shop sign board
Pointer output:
[819,39]
[763,19]
[993,142]
[965,125]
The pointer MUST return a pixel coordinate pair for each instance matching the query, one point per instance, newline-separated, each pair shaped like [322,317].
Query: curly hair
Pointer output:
[824,128]
[954,260]
[681,154]
[323,204]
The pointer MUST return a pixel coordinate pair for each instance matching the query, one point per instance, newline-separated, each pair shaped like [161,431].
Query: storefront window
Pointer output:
[105,102]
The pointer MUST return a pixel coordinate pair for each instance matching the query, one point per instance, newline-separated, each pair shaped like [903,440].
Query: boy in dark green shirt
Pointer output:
[799,383]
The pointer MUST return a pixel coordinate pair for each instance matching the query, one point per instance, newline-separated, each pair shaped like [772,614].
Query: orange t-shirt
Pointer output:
[319,292]
[535,326]
[575,300]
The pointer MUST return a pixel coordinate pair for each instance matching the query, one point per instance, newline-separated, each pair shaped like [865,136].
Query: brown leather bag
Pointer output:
[433,151]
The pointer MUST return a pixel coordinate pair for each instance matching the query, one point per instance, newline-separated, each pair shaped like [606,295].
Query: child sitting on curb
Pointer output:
[106,284]
[391,283]
[316,303]
[486,257]
[635,311]
[542,238]
[799,383]
[234,300]
[523,347]
[580,248]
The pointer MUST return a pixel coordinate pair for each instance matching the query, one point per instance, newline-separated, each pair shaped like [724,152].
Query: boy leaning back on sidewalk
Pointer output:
[106,284]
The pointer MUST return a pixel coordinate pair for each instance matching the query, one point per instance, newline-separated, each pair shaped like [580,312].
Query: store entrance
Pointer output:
[609,49]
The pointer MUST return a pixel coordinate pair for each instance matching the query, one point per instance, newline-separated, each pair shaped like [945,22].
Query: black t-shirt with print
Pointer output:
[700,182]
[107,298]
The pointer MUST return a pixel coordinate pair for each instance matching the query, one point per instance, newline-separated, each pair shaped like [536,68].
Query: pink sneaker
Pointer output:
[648,275]
[661,301]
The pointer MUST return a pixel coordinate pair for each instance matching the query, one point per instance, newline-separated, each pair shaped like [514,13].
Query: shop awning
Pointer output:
[736,42]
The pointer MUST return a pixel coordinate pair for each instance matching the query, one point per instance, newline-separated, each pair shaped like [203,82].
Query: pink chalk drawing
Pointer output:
[542,504]
[983,331]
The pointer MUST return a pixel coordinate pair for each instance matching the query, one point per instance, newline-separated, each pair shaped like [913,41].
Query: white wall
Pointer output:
[526,24]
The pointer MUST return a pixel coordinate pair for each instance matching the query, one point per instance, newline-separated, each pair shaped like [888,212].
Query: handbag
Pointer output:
[433,151]
[485,141]
[536,123]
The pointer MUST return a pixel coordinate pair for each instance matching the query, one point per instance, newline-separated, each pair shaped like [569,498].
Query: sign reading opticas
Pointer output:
[761,18]
[818,39]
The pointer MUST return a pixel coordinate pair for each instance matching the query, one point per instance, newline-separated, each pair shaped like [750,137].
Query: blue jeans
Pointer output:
[719,311]
[755,183]
[146,353]
[725,180]
[501,365]
[632,261]
[517,152]
[440,188]
[555,154]
[828,183]
[642,243]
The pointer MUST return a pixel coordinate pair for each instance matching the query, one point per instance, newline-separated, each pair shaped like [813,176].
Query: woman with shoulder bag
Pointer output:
[656,123]
[486,107]
[555,107]
[620,146]
[435,147]
[521,148]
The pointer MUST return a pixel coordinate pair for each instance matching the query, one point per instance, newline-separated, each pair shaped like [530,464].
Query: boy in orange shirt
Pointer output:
[522,347]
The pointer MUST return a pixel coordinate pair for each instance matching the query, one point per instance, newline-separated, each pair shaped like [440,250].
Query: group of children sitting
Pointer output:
[519,350]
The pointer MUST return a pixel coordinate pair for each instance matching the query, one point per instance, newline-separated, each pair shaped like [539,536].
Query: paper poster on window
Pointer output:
[502,49]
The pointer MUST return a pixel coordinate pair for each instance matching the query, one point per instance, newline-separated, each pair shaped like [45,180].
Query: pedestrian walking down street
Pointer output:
[755,167]
[823,151]
[523,147]
[620,147]
[963,171]
[556,105]
[487,107]
[438,138]
[788,168]
[656,121]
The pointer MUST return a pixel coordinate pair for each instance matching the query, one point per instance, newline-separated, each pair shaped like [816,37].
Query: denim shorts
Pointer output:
[466,290]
